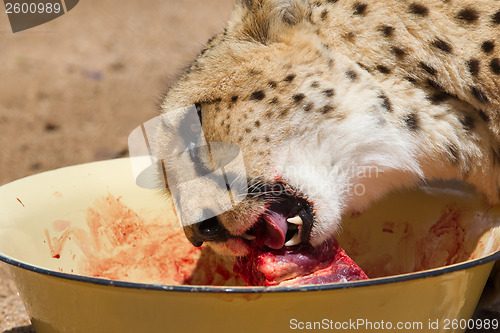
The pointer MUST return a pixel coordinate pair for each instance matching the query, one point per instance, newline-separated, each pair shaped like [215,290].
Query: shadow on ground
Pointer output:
[21,329]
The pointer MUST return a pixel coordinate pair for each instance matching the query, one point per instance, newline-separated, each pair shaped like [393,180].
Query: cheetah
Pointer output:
[309,90]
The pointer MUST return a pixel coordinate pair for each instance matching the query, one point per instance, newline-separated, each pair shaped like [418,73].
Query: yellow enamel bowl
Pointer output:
[410,231]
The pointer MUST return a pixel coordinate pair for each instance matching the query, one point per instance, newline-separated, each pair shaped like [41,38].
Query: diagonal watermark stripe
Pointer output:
[204,178]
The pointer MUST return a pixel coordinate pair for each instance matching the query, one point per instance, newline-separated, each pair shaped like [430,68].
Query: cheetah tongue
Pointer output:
[276,228]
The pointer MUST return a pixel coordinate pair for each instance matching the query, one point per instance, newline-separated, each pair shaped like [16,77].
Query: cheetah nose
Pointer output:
[210,230]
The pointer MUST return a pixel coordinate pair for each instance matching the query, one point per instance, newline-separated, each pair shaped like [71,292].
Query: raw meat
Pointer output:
[299,265]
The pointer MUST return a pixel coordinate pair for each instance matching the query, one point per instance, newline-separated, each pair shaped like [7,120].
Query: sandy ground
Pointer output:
[72,90]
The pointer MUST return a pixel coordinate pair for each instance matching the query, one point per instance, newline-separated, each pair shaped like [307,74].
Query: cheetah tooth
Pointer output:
[294,240]
[295,220]
[248,237]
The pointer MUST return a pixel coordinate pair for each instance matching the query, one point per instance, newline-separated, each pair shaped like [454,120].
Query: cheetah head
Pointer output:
[309,124]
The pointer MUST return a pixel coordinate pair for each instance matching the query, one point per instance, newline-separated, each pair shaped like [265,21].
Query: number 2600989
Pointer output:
[32,8]
[471,324]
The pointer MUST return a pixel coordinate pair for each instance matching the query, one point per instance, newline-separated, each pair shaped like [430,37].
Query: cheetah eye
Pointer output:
[198,110]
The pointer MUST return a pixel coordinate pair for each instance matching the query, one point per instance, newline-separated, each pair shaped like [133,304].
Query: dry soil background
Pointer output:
[71,90]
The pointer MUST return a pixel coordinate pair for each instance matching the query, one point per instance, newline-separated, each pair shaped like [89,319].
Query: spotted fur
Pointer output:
[310,89]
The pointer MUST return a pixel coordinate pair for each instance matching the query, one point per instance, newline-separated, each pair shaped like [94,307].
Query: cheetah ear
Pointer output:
[265,21]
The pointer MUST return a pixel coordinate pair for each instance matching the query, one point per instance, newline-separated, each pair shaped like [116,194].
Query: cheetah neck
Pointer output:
[442,105]
[450,47]
[369,153]
[451,139]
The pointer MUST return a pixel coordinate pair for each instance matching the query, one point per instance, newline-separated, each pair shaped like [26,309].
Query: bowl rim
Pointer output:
[234,289]
[246,289]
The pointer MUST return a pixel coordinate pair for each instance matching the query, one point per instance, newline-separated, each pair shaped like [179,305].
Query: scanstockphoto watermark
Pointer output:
[355,325]
[280,189]
[26,14]
[348,180]
[363,324]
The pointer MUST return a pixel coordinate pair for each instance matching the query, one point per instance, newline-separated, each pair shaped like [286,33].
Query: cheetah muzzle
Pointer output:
[287,221]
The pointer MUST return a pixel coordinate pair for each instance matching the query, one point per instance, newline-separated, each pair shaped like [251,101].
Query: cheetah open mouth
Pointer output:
[281,253]
[287,222]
